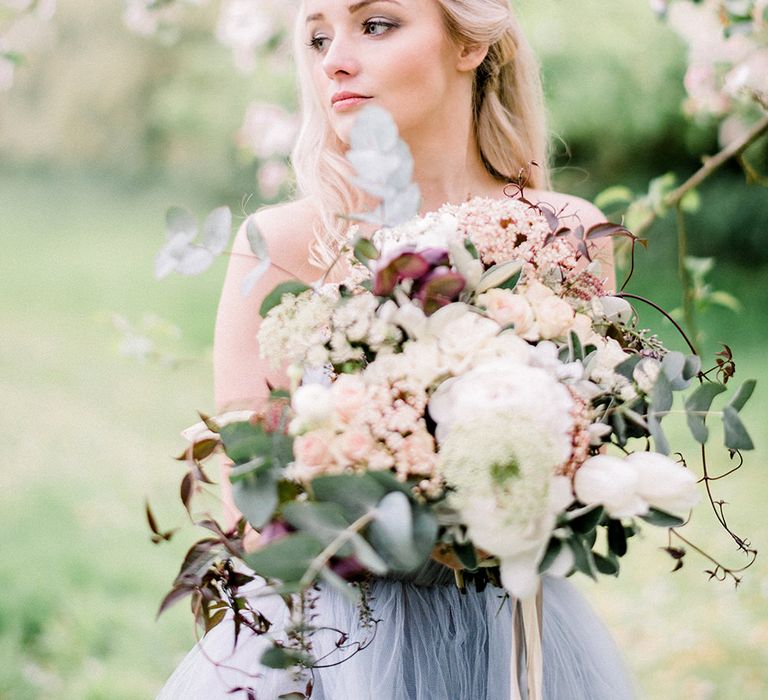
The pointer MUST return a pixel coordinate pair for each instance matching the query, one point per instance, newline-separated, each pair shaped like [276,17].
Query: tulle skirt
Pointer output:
[431,642]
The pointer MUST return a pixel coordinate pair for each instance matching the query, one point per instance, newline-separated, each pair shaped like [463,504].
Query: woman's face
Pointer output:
[393,53]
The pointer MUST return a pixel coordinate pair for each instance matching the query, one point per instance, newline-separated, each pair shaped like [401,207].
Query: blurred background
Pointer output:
[109,114]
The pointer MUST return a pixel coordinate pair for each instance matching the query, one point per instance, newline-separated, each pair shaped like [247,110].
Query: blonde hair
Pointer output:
[508,105]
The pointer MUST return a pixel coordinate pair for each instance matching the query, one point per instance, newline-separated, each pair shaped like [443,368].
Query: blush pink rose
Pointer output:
[313,448]
[355,445]
[505,307]
[349,396]
[554,317]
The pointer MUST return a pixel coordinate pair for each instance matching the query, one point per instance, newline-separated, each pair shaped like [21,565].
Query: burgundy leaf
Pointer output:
[186,490]
[157,535]
[173,596]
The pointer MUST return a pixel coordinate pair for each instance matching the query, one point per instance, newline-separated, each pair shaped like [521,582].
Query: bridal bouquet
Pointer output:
[470,392]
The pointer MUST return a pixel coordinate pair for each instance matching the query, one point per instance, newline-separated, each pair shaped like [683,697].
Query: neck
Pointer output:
[448,167]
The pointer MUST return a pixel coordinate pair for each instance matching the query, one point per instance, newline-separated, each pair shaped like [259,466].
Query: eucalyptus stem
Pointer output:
[334,546]
[689,310]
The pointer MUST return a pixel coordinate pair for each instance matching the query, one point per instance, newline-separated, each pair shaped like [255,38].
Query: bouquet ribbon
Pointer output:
[526,640]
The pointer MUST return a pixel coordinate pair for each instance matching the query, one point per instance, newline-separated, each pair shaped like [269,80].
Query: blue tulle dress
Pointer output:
[432,643]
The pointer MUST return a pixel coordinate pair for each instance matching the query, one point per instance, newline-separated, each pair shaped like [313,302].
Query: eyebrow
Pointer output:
[354,7]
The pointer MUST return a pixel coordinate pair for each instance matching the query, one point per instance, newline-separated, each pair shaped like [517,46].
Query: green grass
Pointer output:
[88,434]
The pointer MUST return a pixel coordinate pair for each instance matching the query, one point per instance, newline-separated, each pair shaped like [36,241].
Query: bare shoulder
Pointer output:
[288,229]
[570,208]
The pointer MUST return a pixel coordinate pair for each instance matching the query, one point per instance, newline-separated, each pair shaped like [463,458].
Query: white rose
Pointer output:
[461,337]
[536,292]
[663,483]
[313,406]
[612,483]
[554,317]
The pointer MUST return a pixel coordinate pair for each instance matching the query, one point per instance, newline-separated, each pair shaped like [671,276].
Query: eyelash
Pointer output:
[315,42]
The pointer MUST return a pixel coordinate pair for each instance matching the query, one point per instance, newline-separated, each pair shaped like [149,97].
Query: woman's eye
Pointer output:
[376,27]
[319,42]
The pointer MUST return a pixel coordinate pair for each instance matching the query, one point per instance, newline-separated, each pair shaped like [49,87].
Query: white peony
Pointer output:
[612,483]
[663,483]
[509,385]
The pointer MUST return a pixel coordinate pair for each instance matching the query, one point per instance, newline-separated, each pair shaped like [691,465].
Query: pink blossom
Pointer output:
[354,445]
[349,396]
[313,448]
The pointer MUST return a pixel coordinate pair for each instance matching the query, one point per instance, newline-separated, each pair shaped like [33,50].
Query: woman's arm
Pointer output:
[240,374]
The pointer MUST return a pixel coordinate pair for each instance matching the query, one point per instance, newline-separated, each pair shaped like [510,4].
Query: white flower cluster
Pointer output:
[359,321]
[295,331]
[504,429]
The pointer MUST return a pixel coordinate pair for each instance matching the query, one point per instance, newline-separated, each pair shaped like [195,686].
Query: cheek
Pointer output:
[413,76]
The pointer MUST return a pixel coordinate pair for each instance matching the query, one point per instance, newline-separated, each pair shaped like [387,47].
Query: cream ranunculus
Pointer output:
[663,483]
[612,483]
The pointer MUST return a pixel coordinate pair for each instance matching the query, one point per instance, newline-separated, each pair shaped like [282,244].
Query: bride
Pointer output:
[463,88]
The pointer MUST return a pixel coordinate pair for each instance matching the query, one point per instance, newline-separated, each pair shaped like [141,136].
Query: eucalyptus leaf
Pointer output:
[244,441]
[286,559]
[499,274]
[662,519]
[357,494]
[253,277]
[697,406]
[657,433]
[340,584]
[179,221]
[217,229]
[627,367]
[367,555]
[323,520]
[736,435]
[391,532]
[256,240]
[672,365]
[742,395]
[661,395]
[256,497]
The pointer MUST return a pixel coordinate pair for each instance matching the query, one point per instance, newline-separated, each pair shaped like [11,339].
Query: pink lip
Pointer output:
[346,100]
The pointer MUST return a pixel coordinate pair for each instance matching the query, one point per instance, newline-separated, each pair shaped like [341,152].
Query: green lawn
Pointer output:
[88,434]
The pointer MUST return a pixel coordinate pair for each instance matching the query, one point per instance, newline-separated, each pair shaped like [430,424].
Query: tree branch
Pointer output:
[711,165]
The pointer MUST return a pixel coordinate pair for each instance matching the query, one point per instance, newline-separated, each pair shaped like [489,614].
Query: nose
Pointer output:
[340,59]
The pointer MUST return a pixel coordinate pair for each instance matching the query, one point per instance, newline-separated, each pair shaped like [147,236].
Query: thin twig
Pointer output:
[711,165]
